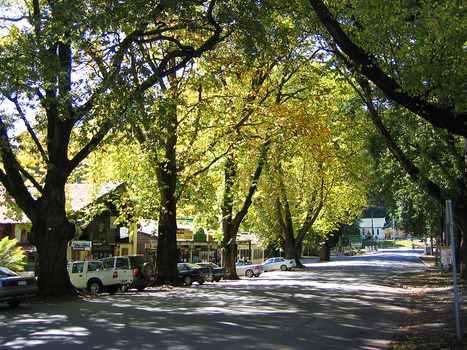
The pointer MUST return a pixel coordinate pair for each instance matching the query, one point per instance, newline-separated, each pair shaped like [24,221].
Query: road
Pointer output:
[343,304]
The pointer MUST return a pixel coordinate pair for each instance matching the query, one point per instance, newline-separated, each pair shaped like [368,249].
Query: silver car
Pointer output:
[15,288]
[248,270]
[277,264]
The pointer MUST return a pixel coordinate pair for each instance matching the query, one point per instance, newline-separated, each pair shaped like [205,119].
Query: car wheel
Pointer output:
[140,288]
[146,270]
[283,268]
[95,286]
[200,282]
[249,273]
[13,303]
[187,280]
[217,279]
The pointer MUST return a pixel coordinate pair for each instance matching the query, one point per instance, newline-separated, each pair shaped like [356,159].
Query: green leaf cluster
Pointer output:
[11,256]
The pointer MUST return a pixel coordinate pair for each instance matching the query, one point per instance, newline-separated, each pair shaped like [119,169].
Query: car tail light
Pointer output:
[7,284]
[256,267]
[115,274]
[135,272]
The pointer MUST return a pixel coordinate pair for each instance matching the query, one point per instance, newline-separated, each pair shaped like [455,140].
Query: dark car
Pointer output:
[142,269]
[15,288]
[190,273]
[218,272]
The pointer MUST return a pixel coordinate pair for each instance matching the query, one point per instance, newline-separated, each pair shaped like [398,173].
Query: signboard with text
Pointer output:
[446,255]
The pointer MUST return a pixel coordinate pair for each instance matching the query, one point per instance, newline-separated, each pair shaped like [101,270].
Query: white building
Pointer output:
[372,228]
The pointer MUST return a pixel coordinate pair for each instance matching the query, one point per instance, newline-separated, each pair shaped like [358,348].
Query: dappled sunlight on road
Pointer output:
[336,303]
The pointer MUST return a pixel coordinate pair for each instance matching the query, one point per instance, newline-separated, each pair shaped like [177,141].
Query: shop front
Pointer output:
[79,250]
[195,248]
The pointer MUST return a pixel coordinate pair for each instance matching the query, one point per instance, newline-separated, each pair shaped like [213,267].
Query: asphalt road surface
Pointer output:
[347,303]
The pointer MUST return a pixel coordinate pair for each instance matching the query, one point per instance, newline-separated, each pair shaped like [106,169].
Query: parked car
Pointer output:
[218,272]
[142,269]
[248,270]
[277,264]
[190,273]
[15,288]
[92,276]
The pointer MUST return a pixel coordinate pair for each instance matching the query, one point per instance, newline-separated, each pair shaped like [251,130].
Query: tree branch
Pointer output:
[438,116]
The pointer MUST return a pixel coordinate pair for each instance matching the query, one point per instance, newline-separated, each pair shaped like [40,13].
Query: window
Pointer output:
[94,266]
[77,267]
[122,264]
[108,263]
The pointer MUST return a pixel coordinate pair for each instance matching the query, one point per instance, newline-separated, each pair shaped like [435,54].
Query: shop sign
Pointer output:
[184,235]
[100,247]
[81,245]
[199,237]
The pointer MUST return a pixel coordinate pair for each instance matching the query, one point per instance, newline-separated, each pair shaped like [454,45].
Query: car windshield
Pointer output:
[4,272]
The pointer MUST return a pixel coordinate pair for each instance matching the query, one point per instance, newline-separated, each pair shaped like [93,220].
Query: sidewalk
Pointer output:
[430,322]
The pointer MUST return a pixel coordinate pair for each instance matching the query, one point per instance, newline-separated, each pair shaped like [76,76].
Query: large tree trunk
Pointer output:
[167,253]
[292,249]
[326,249]
[293,244]
[230,225]
[51,242]
[51,231]
[230,249]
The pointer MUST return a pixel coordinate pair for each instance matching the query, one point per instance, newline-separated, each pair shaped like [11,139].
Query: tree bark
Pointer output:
[167,172]
[292,243]
[231,224]
[326,249]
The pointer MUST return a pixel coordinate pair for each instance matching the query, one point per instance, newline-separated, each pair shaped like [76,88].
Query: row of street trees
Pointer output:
[408,61]
[220,106]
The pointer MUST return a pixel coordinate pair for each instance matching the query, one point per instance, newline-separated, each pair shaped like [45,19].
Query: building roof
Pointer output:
[243,237]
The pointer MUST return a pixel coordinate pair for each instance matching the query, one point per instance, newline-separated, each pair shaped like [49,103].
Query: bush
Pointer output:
[11,256]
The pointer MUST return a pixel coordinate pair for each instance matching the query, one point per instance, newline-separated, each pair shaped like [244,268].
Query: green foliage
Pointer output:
[438,156]
[11,256]
[320,152]
[421,44]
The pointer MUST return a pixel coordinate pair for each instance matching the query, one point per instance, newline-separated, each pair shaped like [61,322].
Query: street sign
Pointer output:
[356,241]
